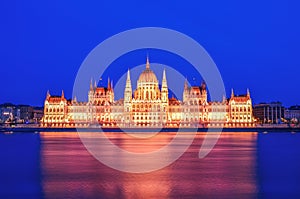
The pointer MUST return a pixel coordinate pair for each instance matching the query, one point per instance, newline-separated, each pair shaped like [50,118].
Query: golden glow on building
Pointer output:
[148,106]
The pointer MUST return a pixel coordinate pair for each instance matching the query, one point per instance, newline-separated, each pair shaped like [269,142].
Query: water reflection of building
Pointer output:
[70,171]
[148,105]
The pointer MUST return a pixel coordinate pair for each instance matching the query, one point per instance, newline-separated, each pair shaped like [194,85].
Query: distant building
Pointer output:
[292,113]
[7,113]
[26,113]
[148,106]
[38,113]
[10,113]
[269,113]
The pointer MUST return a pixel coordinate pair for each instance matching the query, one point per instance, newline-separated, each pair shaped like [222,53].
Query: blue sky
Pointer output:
[255,44]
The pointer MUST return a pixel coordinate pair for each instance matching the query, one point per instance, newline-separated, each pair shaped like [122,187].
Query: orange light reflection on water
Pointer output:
[70,171]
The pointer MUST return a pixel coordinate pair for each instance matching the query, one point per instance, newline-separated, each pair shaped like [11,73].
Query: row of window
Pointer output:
[240,109]
[147,118]
[155,106]
[241,117]
[54,110]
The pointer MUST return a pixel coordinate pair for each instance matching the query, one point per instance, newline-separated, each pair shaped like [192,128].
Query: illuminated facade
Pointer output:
[148,106]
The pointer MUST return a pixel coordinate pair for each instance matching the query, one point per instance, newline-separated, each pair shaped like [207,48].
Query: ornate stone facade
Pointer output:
[148,106]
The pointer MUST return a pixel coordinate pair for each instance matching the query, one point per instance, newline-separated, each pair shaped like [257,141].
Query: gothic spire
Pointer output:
[164,80]
[91,84]
[232,93]
[108,84]
[186,84]
[128,91]
[128,82]
[48,94]
[248,92]
[128,75]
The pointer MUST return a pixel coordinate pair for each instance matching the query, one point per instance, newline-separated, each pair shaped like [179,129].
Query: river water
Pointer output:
[241,165]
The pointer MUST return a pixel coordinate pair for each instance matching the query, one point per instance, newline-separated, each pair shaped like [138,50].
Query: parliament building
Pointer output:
[148,106]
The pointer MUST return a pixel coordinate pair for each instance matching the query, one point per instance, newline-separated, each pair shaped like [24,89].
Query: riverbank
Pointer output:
[95,129]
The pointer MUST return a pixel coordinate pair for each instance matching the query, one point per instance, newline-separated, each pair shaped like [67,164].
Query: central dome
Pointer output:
[147,75]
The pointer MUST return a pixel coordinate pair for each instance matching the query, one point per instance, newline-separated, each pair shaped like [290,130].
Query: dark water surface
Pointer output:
[241,165]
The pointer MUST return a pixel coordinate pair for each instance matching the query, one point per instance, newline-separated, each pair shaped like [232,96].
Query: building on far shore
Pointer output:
[26,113]
[269,113]
[148,106]
[38,113]
[10,113]
[292,114]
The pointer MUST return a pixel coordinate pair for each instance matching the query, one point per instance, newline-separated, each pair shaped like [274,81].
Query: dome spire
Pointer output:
[147,63]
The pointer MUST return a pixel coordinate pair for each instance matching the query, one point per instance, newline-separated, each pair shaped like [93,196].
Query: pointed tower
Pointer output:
[92,91]
[232,93]
[110,92]
[95,84]
[248,93]
[128,90]
[91,84]
[164,98]
[164,88]
[62,94]
[108,84]
[186,85]
[185,91]
[203,92]
[127,100]
[48,95]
